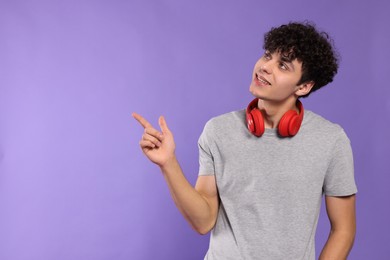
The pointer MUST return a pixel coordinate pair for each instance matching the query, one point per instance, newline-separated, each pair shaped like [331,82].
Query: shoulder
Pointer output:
[322,126]
[226,121]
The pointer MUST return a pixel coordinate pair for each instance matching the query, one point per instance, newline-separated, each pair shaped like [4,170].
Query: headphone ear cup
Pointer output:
[249,122]
[258,122]
[289,124]
[294,125]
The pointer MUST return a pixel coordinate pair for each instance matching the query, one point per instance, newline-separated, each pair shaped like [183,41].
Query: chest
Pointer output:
[270,165]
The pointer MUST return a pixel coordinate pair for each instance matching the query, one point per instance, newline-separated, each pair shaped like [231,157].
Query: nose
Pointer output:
[266,67]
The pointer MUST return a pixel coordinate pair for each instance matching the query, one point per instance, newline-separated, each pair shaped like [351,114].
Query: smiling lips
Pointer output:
[262,80]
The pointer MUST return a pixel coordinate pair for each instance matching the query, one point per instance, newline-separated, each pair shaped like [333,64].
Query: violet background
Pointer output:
[73,181]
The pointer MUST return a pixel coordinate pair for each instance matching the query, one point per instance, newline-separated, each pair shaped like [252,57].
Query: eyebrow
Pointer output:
[284,58]
[287,59]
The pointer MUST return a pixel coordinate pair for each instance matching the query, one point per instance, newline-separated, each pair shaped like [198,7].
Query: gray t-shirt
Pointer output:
[270,188]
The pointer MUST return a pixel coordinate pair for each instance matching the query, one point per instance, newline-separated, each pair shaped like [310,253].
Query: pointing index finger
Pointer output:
[141,120]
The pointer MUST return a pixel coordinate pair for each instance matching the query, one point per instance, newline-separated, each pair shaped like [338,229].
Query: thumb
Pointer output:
[163,125]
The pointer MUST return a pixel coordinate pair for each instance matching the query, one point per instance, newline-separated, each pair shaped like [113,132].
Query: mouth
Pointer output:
[262,80]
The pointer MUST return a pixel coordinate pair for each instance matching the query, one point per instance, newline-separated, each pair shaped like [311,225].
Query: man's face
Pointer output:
[275,77]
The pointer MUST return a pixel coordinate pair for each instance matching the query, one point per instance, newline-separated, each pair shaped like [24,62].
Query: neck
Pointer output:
[273,111]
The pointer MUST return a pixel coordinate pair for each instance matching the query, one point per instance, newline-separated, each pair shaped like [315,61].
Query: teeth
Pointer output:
[263,81]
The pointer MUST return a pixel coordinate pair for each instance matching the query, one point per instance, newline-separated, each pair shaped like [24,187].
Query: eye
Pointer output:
[283,66]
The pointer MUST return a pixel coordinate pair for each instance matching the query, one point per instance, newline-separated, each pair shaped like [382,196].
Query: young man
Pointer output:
[259,191]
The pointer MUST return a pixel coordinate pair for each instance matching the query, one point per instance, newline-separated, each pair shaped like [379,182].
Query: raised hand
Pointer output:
[159,147]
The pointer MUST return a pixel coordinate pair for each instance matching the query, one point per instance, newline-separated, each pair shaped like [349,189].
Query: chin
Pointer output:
[254,93]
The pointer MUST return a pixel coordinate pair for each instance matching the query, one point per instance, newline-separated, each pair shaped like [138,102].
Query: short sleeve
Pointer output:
[339,178]
[206,159]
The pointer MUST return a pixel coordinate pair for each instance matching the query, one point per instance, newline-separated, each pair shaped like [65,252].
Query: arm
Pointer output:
[198,205]
[341,213]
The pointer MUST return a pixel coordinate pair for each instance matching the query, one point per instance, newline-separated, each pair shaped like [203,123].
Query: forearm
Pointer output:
[193,206]
[338,246]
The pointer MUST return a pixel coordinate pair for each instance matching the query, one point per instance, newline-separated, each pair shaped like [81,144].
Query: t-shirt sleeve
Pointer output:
[206,159]
[339,178]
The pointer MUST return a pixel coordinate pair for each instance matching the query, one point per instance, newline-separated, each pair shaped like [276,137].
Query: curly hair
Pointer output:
[314,49]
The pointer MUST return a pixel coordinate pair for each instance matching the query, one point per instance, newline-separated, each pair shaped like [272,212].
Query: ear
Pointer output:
[305,88]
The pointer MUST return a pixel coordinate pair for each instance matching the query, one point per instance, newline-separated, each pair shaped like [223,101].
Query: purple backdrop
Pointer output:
[73,181]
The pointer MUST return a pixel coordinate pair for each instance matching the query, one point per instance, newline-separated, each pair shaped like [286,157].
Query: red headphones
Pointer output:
[288,126]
